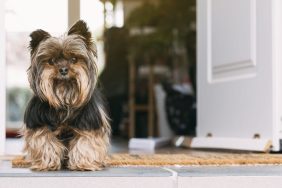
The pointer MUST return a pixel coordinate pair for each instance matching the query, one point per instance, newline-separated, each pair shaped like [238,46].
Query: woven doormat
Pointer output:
[201,158]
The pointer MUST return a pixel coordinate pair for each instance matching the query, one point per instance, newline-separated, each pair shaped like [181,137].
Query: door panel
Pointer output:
[236,69]
[231,38]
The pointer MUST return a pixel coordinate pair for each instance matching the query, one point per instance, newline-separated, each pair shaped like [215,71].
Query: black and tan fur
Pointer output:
[66,124]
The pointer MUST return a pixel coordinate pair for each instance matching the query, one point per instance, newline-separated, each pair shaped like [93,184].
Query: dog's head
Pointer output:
[63,70]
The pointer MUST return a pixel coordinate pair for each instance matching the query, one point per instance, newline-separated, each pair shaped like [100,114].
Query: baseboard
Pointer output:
[263,145]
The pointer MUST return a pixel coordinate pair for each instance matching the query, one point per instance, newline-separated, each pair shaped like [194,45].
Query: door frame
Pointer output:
[2,79]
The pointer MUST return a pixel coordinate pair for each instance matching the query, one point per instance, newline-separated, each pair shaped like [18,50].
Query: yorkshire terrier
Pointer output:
[66,124]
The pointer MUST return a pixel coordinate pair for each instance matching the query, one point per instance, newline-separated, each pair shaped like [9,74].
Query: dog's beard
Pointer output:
[66,91]
[69,92]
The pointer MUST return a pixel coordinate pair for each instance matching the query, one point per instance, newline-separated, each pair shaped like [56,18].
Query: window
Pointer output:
[21,18]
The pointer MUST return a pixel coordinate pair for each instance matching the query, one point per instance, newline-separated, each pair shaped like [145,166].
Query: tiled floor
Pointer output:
[144,177]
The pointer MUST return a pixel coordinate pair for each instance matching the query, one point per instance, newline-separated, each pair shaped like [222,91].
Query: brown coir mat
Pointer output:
[180,159]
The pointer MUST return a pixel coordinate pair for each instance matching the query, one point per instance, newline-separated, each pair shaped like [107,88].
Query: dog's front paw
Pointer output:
[44,150]
[88,151]
[85,166]
[50,164]
[83,161]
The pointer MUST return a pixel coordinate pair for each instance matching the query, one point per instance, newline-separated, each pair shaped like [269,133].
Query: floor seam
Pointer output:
[174,176]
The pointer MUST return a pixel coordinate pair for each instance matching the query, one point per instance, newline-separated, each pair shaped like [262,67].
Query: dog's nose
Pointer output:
[64,71]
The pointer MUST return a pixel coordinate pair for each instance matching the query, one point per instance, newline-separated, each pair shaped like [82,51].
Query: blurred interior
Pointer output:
[147,62]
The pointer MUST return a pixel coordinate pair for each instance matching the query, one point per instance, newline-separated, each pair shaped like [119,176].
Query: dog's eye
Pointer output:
[52,61]
[73,60]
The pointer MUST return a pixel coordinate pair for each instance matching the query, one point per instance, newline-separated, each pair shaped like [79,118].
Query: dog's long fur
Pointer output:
[65,122]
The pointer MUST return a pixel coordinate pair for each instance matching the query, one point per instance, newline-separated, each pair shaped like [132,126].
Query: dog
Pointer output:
[65,123]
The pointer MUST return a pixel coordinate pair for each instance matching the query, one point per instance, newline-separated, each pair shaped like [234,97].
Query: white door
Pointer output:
[239,84]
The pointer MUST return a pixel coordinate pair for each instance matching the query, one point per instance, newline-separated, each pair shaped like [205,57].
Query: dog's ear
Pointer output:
[37,37]
[81,28]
